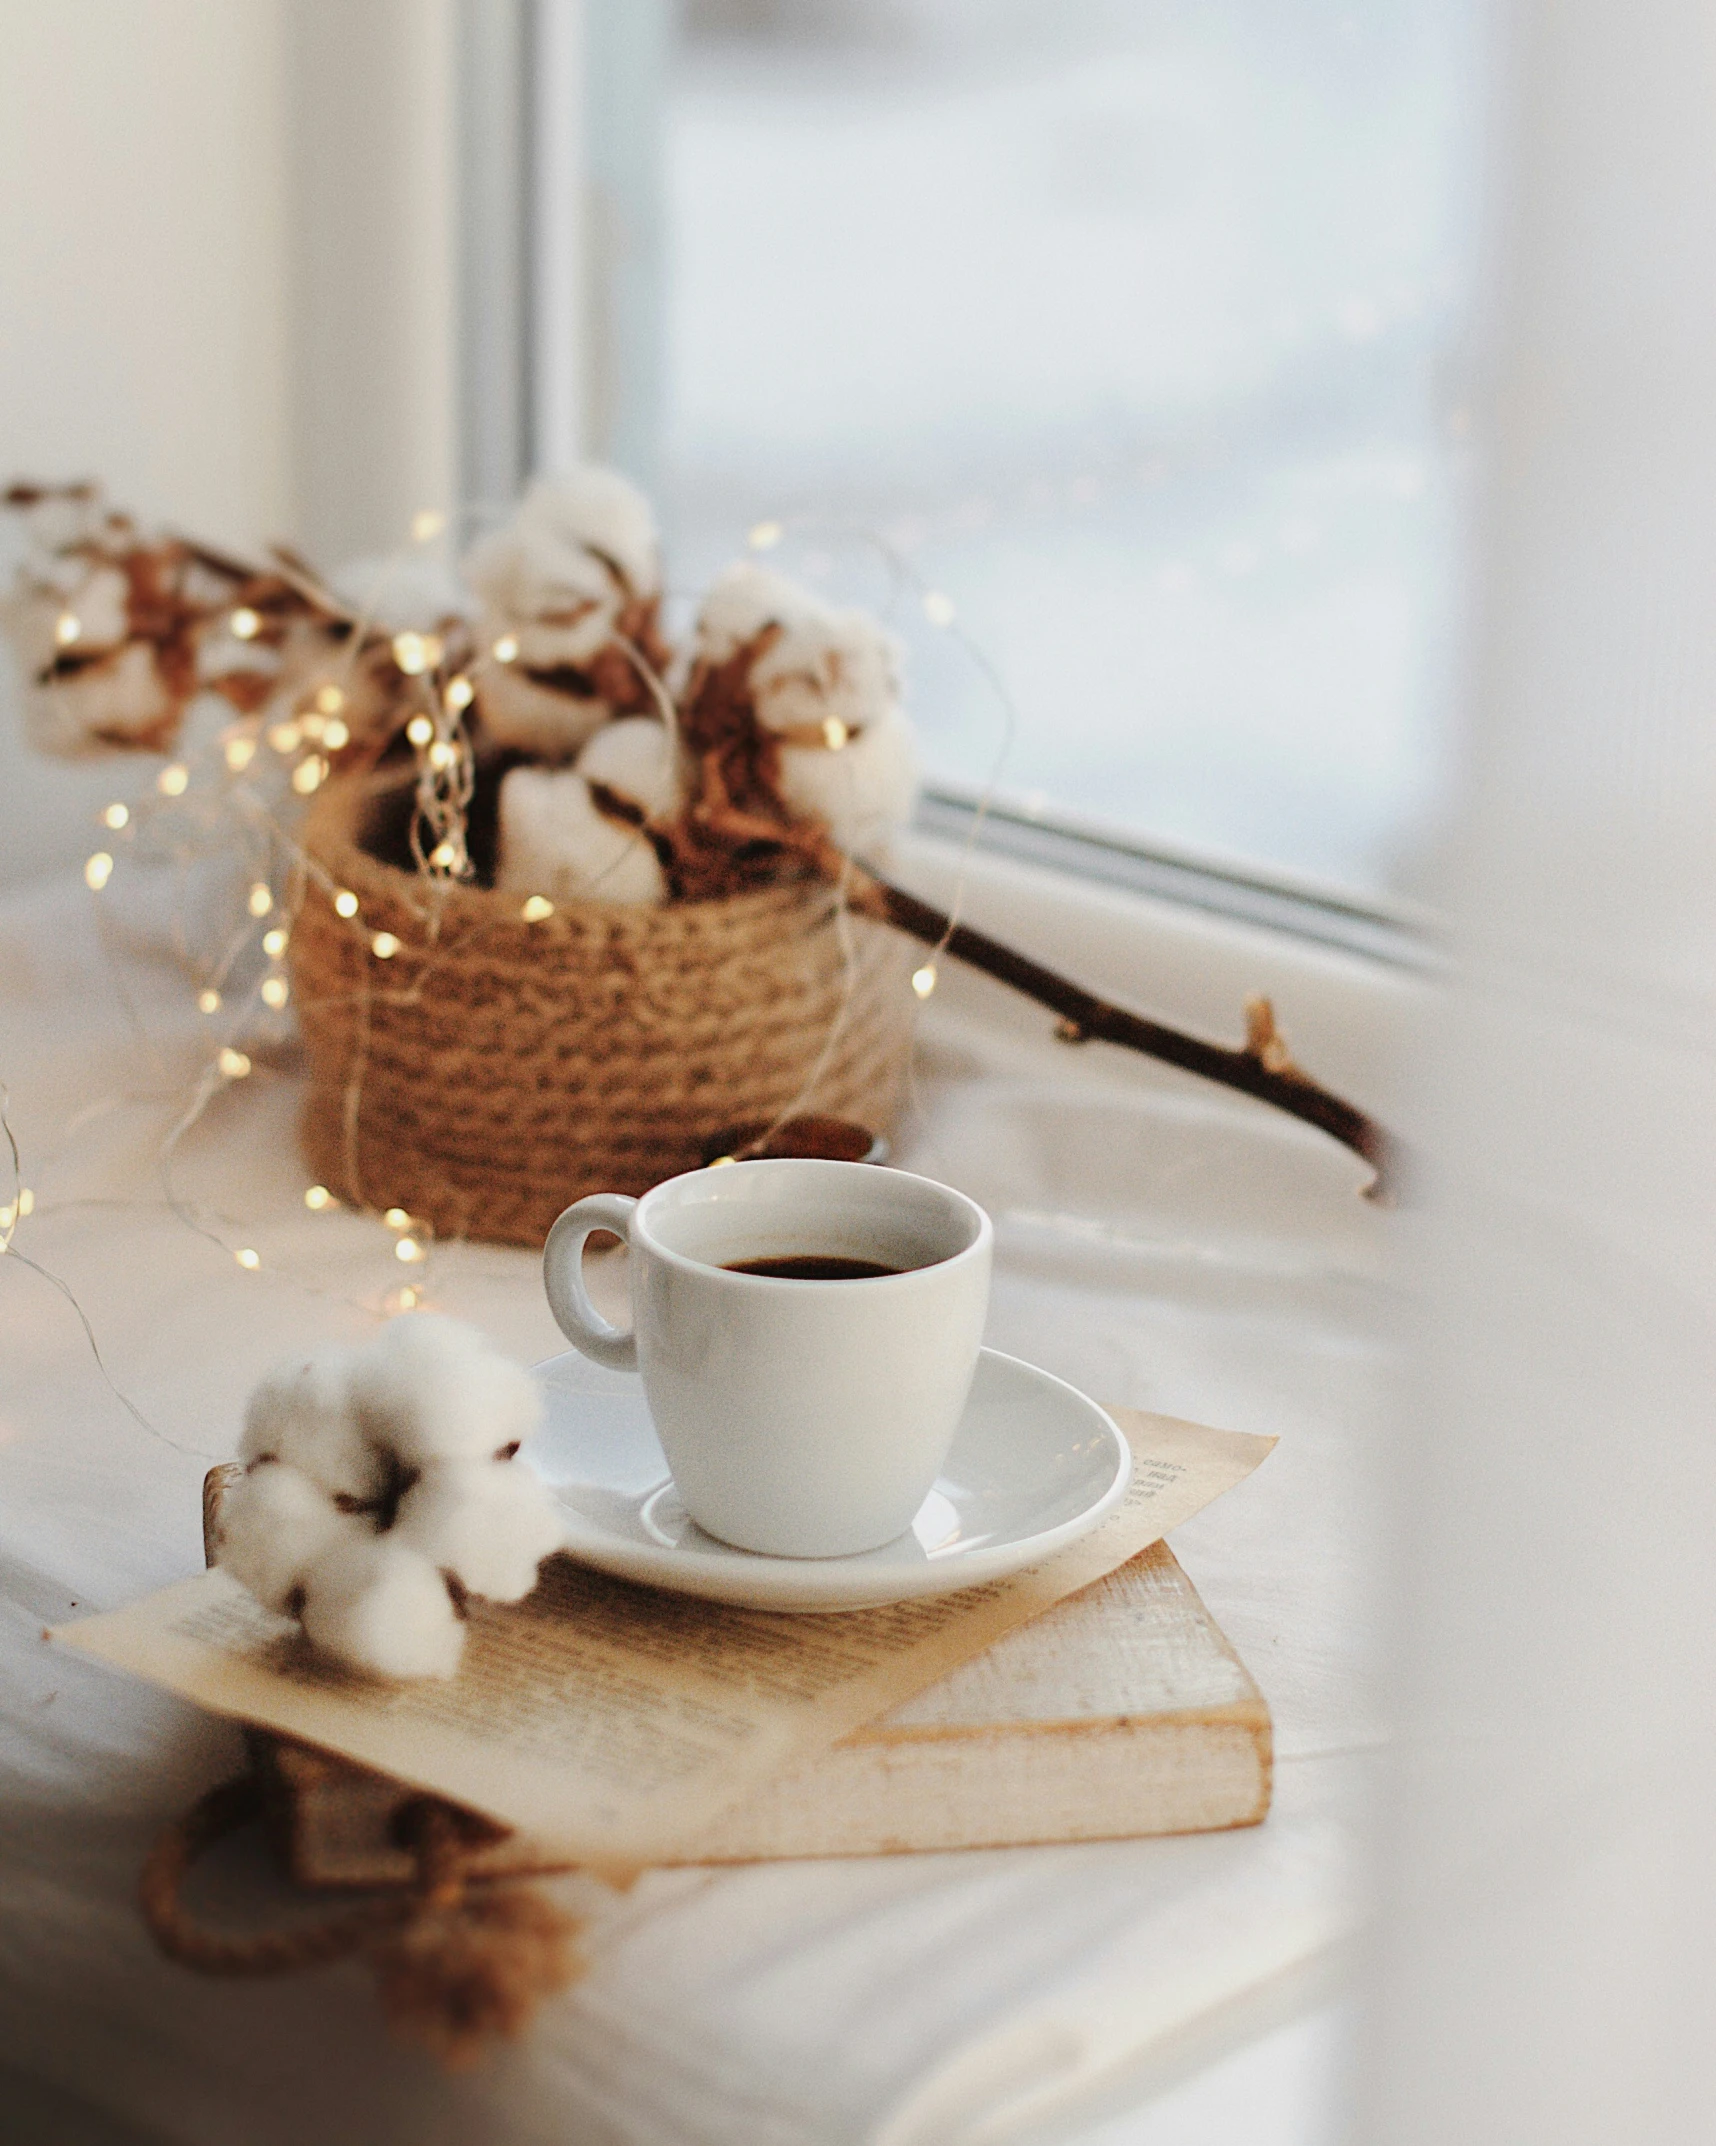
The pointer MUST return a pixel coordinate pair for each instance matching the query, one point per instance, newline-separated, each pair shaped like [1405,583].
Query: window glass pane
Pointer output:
[1129,324]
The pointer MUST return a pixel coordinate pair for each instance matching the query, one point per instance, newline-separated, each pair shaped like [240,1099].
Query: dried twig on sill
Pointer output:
[1262,1067]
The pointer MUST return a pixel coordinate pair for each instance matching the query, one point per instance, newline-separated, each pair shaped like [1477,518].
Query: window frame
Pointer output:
[562,264]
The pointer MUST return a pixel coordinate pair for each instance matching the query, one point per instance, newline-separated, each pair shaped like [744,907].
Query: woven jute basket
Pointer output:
[490,1071]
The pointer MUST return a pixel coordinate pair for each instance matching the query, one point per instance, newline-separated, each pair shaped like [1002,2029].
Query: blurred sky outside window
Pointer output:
[1136,325]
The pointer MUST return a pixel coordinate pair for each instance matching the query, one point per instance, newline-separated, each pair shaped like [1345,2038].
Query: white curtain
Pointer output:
[1548,1959]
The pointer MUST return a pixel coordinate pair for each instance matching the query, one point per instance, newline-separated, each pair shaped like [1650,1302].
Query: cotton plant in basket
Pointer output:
[382,1488]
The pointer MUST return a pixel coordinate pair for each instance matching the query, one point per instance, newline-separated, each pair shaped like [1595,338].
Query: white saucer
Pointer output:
[1034,1465]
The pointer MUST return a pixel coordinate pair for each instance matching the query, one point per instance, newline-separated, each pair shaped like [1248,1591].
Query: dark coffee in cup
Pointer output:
[812,1267]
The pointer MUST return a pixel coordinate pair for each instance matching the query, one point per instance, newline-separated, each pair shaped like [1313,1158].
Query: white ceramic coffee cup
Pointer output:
[799,1418]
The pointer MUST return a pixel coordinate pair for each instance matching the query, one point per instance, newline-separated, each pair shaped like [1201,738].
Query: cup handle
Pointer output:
[563,1278]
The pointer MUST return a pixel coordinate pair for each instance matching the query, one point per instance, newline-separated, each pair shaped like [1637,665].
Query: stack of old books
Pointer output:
[1121,1711]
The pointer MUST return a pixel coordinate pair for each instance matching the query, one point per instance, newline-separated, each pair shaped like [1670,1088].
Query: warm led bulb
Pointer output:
[460,692]
[397,1218]
[345,903]
[938,609]
[420,730]
[834,733]
[98,871]
[260,900]
[442,755]
[245,623]
[443,856]
[409,1250]
[406,1299]
[274,943]
[208,1000]
[316,1197]
[923,980]
[416,653]
[248,1259]
[335,734]
[536,907]
[233,1064]
[308,775]
[67,627]
[330,699]
[173,781]
[274,992]
[384,946]
[116,816]
[240,752]
[286,737]
[427,523]
[506,648]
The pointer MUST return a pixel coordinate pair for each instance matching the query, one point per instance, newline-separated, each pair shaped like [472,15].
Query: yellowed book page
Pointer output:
[615,1721]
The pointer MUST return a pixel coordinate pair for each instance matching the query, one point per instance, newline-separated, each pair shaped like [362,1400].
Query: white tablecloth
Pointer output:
[1157,1245]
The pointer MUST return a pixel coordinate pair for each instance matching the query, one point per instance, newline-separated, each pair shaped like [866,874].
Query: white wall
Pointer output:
[226,280]
[372,161]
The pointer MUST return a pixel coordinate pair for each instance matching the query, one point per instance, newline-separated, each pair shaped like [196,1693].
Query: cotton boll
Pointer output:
[823,664]
[599,509]
[522,715]
[380,1606]
[97,597]
[101,604]
[116,704]
[30,614]
[303,1411]
[401,593]
[827,665]
[863,791]
[827,687]
[489,1522]
[275,1523]
[431,1388]
[563,578]
[571,579]
[740,602]
[555,842]
[558,601]
[579,552]
[638,758]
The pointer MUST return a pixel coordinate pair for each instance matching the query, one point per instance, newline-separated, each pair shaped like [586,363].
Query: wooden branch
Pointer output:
[1263,1067]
